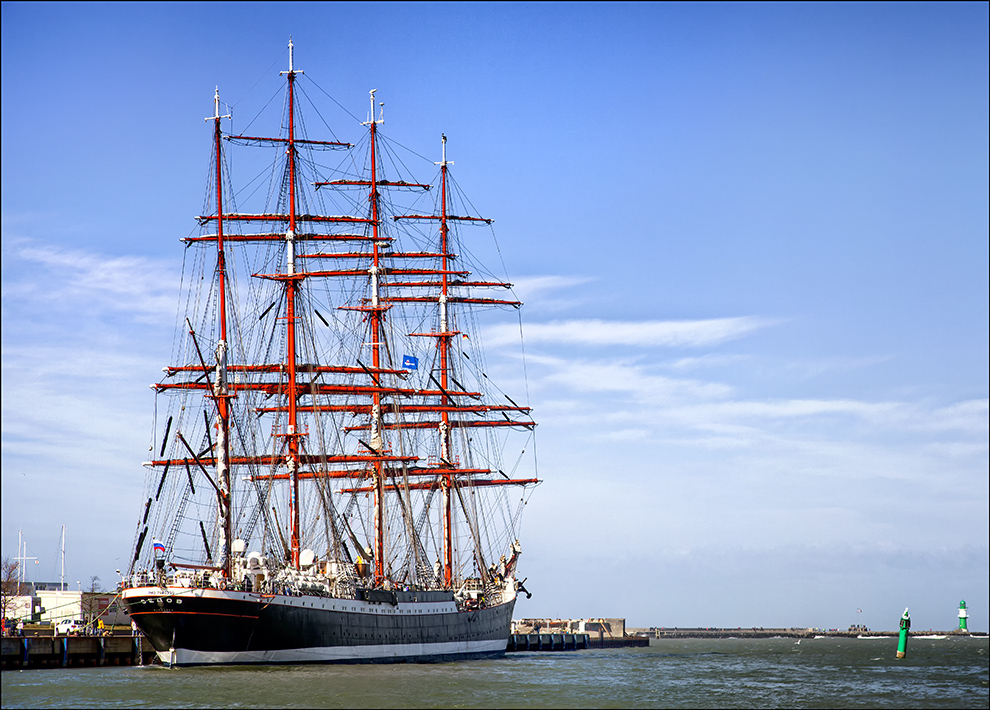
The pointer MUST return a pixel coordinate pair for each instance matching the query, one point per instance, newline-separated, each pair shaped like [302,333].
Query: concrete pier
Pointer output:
[555,634]
[546,642]
[570,642]
[75,651]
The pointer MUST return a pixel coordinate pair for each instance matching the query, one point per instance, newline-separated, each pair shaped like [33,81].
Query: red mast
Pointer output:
[376,315]
[291,281]
[443,343]
[449,471]
[220,392]
[376,318]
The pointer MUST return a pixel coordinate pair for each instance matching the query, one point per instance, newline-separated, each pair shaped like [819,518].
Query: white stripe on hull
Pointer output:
[332,654]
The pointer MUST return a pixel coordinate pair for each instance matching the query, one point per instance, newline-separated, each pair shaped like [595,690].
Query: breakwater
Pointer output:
[760,632]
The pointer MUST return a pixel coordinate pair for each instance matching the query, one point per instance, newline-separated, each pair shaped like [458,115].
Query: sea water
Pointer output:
[689,673]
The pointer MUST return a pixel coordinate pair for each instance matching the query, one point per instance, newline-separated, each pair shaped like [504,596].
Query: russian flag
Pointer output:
[159,547]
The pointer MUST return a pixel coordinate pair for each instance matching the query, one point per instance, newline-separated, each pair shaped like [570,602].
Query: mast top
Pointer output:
[371,115]
[216,107]
[291,69]
[444,161]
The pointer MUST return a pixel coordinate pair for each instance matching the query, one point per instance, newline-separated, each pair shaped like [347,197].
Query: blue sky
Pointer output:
[751,239]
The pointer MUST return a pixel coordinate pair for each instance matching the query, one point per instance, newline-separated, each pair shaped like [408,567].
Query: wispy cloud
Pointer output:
[527,287]
[551,294]
[708,361]
[665,333]
[86,281]
[805,369]
[634,380]
[64,401]
[971,416]
[627,400]
[76,325]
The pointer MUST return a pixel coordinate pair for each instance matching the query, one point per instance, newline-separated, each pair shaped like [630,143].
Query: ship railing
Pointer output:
[472,584]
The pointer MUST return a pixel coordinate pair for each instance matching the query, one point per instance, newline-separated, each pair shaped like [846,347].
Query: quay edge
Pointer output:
[20,652]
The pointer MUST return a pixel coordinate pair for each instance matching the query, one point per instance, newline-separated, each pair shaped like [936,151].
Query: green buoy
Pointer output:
[903,636]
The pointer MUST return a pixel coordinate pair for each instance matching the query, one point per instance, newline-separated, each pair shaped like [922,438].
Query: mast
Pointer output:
[376,315]
[375,306]
[290,282]
[443,343]
[22,557]
[450,475]
[220,392]
[286,385]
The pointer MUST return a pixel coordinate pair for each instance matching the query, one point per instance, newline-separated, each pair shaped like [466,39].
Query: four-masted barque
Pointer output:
[334,476]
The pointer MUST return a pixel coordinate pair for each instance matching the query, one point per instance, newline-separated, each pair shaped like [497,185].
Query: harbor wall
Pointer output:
[75,651]
[569,642]
[571,634]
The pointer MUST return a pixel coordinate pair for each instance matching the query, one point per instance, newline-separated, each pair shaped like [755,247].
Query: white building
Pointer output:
[57,605]
[49,606]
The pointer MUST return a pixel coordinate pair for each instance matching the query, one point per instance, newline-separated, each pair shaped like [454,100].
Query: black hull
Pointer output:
[208,626]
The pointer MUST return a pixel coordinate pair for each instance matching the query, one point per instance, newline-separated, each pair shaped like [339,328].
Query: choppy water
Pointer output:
[724,673]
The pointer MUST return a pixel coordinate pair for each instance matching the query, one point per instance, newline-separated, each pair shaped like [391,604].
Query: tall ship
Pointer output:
[335,475]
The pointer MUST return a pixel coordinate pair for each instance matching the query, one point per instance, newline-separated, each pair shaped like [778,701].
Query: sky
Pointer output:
[751,240]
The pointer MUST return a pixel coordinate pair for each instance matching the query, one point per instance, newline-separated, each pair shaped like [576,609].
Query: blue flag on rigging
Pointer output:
[410,363]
